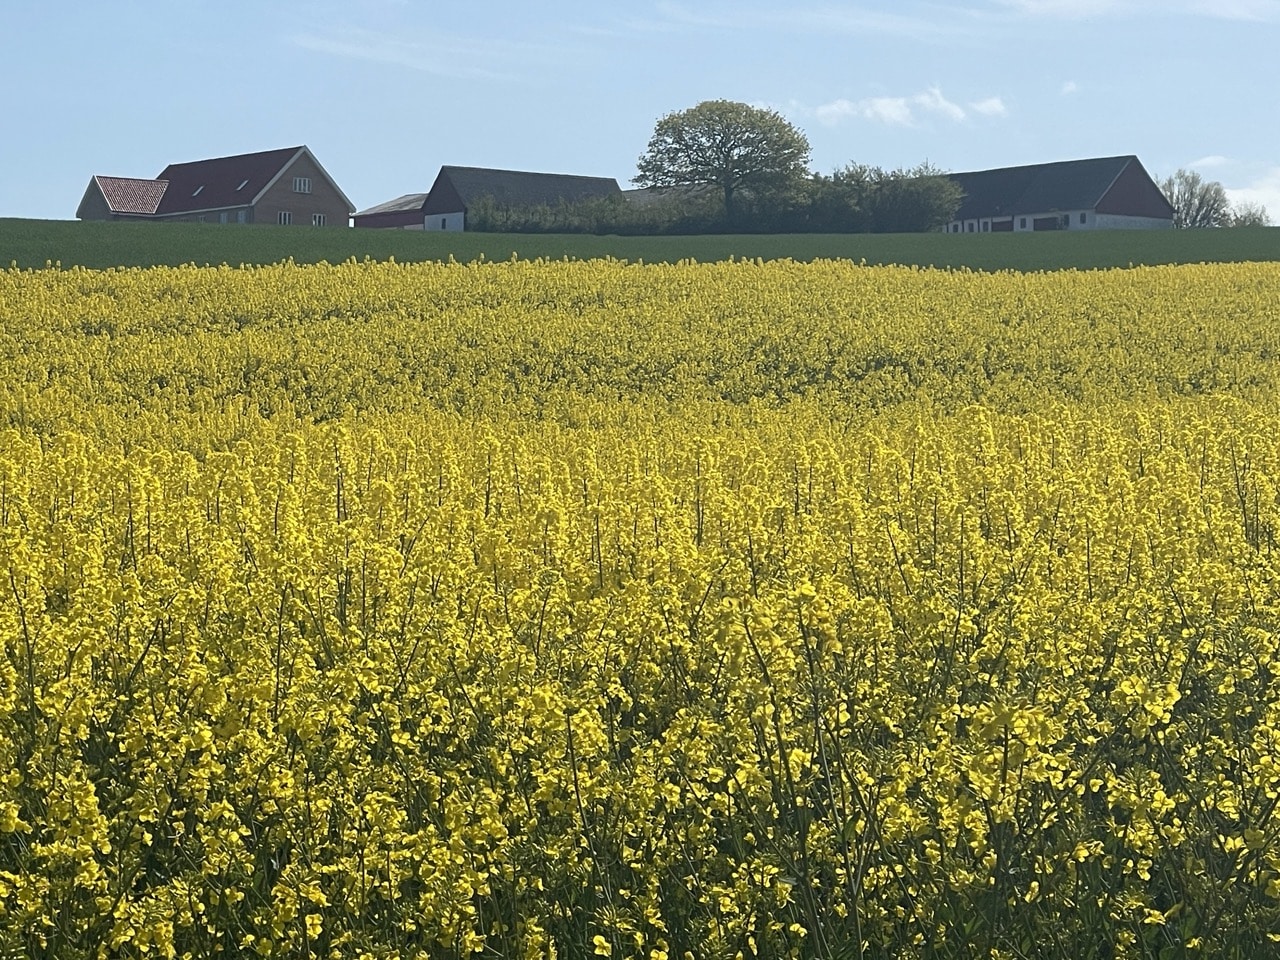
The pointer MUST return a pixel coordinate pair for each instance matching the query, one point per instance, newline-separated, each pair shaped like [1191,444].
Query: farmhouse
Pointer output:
[1095,194]
[286,186]
[402,213]
[457,188]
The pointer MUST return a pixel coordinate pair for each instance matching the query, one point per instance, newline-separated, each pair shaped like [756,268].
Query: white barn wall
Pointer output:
[1117,221]
[1092,221]
[445,221]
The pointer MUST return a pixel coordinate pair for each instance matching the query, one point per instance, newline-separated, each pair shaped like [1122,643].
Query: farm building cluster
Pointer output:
[289,187]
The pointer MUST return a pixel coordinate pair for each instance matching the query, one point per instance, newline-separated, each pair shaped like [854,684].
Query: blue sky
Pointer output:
[385,91]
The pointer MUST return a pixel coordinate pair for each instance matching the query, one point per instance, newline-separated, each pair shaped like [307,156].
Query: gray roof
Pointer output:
[513,188]
[410,201]
[1039,187]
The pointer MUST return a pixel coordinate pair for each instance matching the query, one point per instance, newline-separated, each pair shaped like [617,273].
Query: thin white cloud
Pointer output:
[891,110]
[1069,88]
[1260,11]
[932,101]
[442,55]
[1064,9]
[990,107]
[861,21]
[906,111]
[670,17]
[1256,11]
[1213,160]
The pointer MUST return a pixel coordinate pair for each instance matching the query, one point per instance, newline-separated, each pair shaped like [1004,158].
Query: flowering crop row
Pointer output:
[595,609]
[551,340]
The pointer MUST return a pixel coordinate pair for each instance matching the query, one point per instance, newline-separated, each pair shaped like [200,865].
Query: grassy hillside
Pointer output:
[33,243]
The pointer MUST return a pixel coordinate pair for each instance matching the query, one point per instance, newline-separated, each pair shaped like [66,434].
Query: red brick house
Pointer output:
[286,186]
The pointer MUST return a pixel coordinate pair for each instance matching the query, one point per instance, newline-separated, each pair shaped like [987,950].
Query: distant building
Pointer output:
[1106,193]
[402,213]
[457,188]
[287,187]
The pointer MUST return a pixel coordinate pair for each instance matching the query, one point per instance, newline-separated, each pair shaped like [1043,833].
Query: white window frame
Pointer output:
[317,219]
[301,184]
[284,218]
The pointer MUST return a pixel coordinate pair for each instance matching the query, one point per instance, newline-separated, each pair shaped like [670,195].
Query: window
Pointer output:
[243,184]
[971,226]
[317,219]
[986,226]
[1084,217]
[1022,223]
[242,216]
[197,190]
[222,217]
[301,184]
[285,218]
[444,223]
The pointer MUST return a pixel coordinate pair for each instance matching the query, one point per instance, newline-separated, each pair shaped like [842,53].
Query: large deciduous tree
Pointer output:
[1197,202]
[729,145]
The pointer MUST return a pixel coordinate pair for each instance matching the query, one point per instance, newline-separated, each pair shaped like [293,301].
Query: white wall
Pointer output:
[444,221]
[1116,221]
[1092,221]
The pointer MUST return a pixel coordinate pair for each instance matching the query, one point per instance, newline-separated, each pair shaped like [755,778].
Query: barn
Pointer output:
[1101,193]
[456,188]
[402,213]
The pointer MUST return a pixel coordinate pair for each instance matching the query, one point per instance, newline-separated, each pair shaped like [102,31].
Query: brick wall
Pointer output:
[323,198]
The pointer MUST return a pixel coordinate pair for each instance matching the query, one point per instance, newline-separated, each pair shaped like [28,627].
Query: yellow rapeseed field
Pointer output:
[563,609]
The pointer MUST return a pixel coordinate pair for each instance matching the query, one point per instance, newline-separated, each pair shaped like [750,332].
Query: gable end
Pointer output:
[1135,194]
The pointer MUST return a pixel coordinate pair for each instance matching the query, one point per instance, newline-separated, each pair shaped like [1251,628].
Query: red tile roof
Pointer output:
[223,181]
[131,195]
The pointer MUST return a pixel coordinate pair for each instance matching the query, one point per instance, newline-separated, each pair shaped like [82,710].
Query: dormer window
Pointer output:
[198,189]
[243,184]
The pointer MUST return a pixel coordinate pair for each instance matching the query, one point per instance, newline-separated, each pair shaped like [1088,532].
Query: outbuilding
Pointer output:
[457,188]
[402,213]
[1103,193]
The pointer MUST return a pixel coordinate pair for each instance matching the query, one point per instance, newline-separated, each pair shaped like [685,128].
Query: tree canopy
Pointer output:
[728,145]
[1247,214]
[1197,202]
